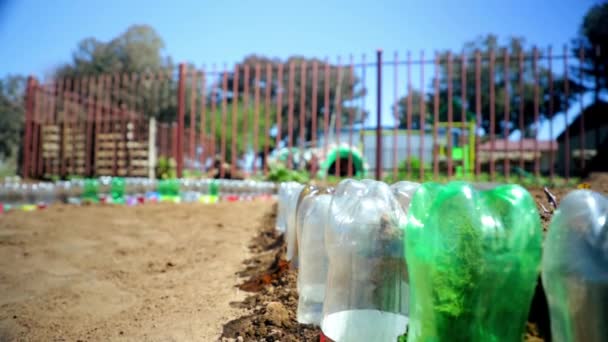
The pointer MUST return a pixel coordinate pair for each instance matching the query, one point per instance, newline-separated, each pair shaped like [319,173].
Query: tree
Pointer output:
[128,63]
[506,81]
[244,123]
[12,90]
[402,109]
[343,85]
[593,42]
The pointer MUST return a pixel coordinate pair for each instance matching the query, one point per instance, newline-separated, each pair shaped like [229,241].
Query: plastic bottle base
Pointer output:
[363,326]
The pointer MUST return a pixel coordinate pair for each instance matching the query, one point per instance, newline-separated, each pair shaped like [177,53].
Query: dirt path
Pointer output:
[150,273]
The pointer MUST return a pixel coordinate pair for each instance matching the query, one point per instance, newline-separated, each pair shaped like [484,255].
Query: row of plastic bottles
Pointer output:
[455,262]
[17,194]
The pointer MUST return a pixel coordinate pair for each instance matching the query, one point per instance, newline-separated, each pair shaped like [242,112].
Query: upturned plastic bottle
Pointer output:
[312,256]
[473,259]
[366,293]
[292,223]
[575,268]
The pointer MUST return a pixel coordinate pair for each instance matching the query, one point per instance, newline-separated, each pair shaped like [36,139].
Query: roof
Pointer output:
[596,115]
[514,145]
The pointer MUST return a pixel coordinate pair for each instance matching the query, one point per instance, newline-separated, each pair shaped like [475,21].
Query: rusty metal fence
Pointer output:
[445,114]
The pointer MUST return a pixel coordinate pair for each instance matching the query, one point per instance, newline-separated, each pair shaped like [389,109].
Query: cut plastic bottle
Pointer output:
[366,295]
[575,268]
[473,259]
[312,272]
[292,224]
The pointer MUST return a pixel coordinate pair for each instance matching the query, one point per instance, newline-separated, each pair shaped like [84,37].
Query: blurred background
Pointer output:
[399,89]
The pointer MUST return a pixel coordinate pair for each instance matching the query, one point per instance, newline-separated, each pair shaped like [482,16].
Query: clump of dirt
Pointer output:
[272,305]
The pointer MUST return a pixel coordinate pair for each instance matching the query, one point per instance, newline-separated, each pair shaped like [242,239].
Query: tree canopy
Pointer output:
[344,88]
[593,43]
[11,113]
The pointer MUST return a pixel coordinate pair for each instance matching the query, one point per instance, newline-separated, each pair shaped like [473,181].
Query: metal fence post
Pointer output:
[379,115]
[152,148]
[181,110]
[29,108]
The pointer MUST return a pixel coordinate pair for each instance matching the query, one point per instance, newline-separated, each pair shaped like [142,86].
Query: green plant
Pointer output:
[165,168]
[280,173]
[465,249]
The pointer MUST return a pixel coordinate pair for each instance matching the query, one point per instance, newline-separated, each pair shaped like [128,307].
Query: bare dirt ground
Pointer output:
[151,273]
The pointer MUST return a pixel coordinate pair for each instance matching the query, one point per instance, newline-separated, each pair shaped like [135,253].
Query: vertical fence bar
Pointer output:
[566,118]
[267,110]
[521,108]
[422,117]
[351,118]
[34,124]
[463,110]
[122,111]
[338,106]
[302,127]
[256,117]
[224,118]
[550,113]
[450,113]
[436,119]
[181,112]
[114,113]
[57,121]
[326,109]
[395,114]
[91,104]
[279,105]
[64,123]
[582,141]
[290,109]
[235,123]
[379,115]
[29,113]
[41,121]
[491,84]
[507,119]
[246,109]
[175,142]
[214,113]
[203,119]
[477,111]
[409,115]
[536,104]
[314,113]
[193,91]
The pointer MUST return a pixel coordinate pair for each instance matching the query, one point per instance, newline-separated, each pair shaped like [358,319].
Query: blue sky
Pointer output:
[36,36]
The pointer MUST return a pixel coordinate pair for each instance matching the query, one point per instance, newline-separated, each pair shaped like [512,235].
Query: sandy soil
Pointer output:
[150,273]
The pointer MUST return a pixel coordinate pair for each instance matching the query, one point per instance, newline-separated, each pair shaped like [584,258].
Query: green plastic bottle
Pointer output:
[168,189]
[90,192]
[473,259]
[117,190]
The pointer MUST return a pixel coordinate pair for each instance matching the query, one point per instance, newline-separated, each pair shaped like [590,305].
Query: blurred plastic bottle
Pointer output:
[473,259]
[366,296]
[286,191]
[313,263]
[90,191]
[117,190]
[575,268]
[168,190]
[290,228]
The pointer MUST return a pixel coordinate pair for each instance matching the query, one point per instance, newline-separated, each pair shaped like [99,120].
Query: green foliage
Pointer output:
[280,173]
[166,168]
[593,37]
[11,114]
[341,81]
[243,115]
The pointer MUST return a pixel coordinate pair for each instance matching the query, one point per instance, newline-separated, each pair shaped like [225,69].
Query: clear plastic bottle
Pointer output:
[575,268]
[366,297]
[313,263]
